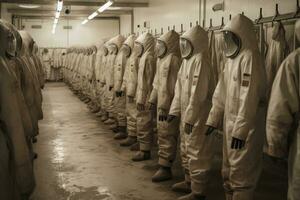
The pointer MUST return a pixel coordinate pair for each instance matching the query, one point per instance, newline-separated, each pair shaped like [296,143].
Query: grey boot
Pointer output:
[141,156]
[121,134]
[128,142]
[163,174]
[184,187]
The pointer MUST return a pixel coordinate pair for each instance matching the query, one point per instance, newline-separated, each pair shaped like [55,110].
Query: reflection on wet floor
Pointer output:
[80,160]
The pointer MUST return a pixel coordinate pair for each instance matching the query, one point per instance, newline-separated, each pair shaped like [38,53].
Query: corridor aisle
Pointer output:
[79,160]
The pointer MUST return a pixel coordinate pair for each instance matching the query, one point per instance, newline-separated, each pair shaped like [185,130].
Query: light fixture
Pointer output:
[29,6]
[100,10]
[57,14]
[105,6]
[84,22]
[92,16]
[60,5]
[59,8]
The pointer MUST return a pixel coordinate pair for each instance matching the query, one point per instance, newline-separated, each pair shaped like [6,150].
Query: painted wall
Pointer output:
[4,14]
[125,24]
[162,14]
[249,7]
[87,34]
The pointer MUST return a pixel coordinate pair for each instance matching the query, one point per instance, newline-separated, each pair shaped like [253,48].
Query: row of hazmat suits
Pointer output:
[53,61]
[22,78]
[188,88]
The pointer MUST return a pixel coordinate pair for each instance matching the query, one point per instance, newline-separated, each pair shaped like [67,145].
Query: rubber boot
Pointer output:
[121,134]
[109,121]
[141,156]
[135,147]
[129,141]
[184,187]
[162,174]
[192,196]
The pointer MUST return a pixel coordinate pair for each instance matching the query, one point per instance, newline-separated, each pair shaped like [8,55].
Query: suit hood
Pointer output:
[243,27]
[171,40]
[147,41]
[118,41]
[198,37]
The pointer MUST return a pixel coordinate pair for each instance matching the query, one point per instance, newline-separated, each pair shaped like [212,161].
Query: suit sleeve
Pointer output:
[283,106]
[176,102]
[154,93]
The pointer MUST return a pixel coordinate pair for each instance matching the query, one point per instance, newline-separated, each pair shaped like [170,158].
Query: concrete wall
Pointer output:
[125,24]
[4,14]
[86,34]
[161,14]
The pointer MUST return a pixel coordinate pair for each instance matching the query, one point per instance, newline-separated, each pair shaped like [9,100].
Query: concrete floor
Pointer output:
[79,160]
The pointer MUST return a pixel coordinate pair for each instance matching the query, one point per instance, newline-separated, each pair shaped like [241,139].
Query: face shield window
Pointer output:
[186,48]
[232,44]
[138,49]
[126,50]
[105,51]
[113,49]
[161,49]
[12,45]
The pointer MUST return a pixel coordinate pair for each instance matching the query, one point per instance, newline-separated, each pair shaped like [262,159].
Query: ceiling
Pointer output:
[78,8]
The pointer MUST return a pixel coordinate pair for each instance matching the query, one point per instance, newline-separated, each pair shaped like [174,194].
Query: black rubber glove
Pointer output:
[110,88]
[162,115]
[130,99]
[121,93]
[188,128]
[171,118]
[117,94]
[210,130]
[237,143]
[140,107]
[152,106]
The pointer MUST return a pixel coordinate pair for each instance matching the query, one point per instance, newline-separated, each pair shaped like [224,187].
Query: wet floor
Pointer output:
[80,160]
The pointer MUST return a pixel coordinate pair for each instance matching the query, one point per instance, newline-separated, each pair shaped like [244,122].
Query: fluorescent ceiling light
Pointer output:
[84,22]
[92,16]
[60,5]
[29,6]
[55,20]
[105,6]
[57,14]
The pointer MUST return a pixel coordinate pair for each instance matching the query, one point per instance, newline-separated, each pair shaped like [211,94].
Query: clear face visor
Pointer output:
[161,49]
[105,51]
[126,50]
[232,44]
[186,48]
[12,45]
[138,49]
[113,49]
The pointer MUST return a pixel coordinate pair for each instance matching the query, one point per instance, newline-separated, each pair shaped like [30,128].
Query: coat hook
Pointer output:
[298,8]
[191,24]
[168,28]
[174,28]
[197,23]
[276,12]
[222,24]
[210,23]
[181,28]
[162,31]
[230,16]
[260,13]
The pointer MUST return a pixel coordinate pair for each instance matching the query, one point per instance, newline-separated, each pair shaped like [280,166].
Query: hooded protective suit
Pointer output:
[146,73]
[129,86]
[114,46]
[283,131]
[239,103]
[11,120]
[192,102]
[277,52]
[168,64]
